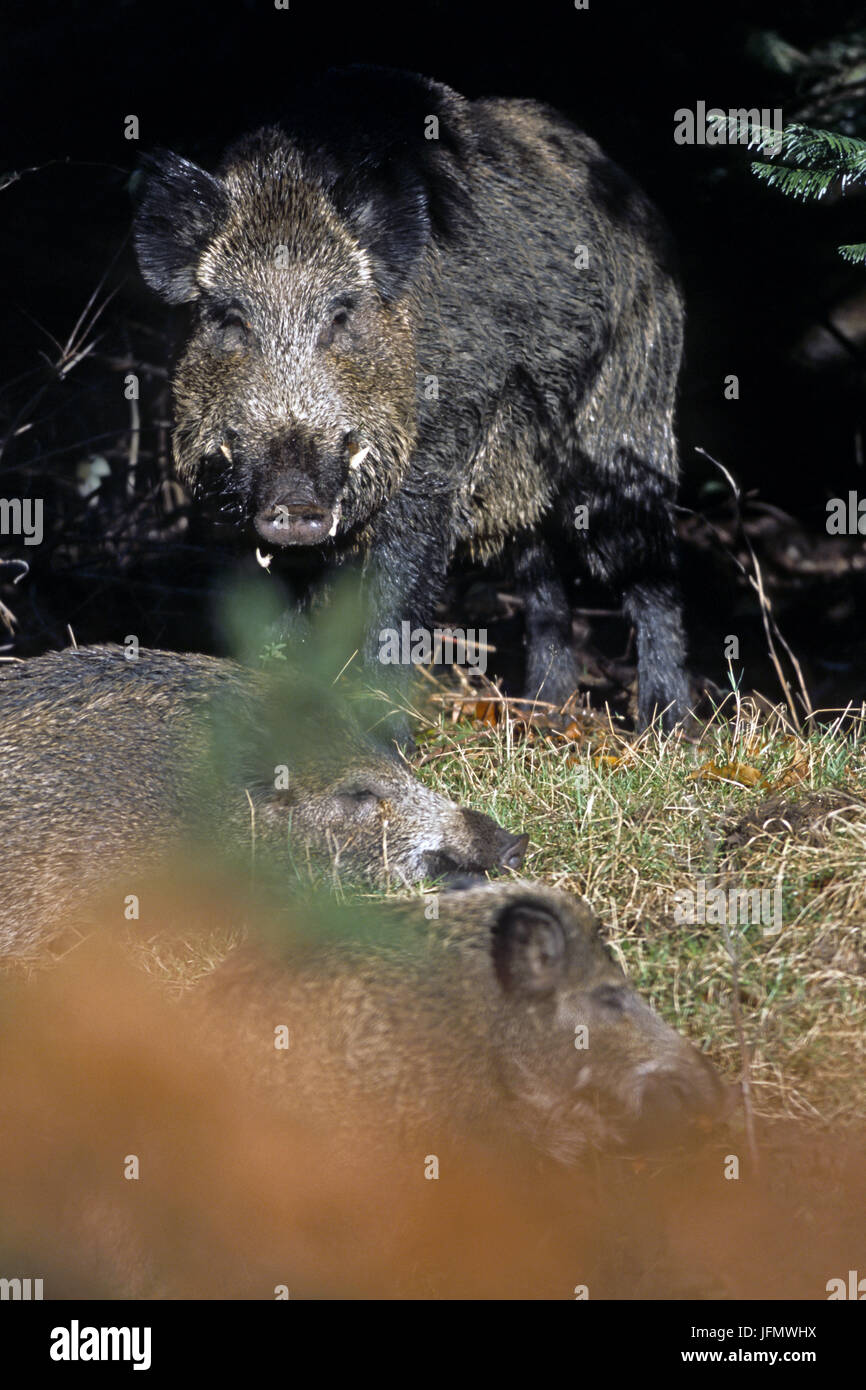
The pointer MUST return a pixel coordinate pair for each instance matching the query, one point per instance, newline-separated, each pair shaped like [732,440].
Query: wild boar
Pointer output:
[240,1197]
[423,328]
[109,767]
[505,1017]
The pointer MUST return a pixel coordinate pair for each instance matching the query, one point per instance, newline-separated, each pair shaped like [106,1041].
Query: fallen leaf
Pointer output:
[796,771]
[744,773]
[479,711]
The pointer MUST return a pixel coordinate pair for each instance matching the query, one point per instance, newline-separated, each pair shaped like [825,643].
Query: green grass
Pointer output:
[628,836]
[626,823]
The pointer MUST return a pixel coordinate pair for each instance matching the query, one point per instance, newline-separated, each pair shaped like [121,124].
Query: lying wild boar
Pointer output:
[109,766]
[506,1014]
[241,1197]
[426,327]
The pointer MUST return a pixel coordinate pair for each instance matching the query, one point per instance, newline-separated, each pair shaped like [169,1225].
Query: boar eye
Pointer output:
[358,794]
[236,322]
[612,997]
[336,324]
[231,317]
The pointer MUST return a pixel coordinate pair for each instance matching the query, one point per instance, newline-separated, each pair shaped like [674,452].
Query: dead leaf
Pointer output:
[482,712]
[796,771]
[744,773]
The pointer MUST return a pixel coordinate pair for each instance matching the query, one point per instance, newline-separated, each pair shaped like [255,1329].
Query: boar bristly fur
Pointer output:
[505,1012]
[426,327]
[110,768]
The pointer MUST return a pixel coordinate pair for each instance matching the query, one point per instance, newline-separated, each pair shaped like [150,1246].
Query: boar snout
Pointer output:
[489,846]
[484,844]
[295,505]
[283,523]
[673,1102]
[514,853]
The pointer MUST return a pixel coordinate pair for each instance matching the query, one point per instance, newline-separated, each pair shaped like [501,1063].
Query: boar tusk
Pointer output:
[356,459]
[224,449]
[263,559]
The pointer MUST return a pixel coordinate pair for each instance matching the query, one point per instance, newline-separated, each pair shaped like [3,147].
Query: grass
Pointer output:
[627,823]
[743,802]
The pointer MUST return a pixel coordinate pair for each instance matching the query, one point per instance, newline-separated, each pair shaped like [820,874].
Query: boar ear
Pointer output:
[528,948]
[178,208]
[390,217]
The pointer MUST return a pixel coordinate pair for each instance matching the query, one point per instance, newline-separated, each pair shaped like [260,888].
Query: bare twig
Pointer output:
[771,627]
[252,836]
[745,1059]
[711,840]
[78,346]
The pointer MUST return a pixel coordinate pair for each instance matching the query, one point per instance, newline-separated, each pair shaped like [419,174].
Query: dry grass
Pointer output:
[627,823]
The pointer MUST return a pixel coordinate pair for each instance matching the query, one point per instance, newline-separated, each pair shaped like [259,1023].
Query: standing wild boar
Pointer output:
[110,768]
[506,1016]
[425,326]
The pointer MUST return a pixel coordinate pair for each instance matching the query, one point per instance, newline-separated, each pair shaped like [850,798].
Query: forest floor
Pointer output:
[661,833]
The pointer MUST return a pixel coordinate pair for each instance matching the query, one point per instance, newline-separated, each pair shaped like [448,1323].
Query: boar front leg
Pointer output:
[551,670]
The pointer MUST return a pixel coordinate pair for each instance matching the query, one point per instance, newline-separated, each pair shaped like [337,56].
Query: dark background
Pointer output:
[761,274]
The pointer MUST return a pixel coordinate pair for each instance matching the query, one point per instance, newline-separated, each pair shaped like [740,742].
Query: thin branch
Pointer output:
[770,625]
[722,880]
